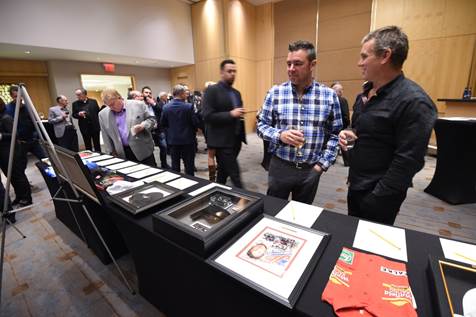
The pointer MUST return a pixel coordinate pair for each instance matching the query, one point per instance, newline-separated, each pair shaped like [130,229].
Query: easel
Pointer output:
[59,169]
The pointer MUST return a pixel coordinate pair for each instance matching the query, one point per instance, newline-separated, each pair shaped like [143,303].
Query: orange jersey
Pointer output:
[363,284]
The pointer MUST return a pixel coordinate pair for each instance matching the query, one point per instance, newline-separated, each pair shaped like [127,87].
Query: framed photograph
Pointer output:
[274,257]
[454,287]
[202,222]
[144,197]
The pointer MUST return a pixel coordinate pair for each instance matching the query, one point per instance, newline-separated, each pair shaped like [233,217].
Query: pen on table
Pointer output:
[465,257]
[385,239]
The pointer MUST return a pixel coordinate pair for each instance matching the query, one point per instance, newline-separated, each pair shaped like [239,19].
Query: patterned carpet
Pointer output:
[53,273]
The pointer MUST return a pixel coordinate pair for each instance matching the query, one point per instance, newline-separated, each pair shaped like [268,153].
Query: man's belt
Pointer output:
[298,165]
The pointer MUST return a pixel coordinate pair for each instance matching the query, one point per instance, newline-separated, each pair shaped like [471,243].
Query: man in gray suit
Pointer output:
[125,127]
[60,118]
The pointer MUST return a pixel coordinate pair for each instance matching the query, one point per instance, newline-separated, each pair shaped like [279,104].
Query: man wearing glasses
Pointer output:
[126,126]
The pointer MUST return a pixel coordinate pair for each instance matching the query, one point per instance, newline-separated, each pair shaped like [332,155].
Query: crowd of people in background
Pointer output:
[303,123]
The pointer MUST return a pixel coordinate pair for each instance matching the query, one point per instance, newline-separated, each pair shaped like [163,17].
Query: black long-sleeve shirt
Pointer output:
[393,129]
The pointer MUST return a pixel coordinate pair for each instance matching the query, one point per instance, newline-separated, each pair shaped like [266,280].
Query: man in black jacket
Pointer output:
[223,115]
[180,122]
[86,111]
[392,120]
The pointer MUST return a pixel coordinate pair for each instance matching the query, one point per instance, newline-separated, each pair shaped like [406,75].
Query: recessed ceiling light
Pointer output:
[27,52]
[137,62]
[98,58]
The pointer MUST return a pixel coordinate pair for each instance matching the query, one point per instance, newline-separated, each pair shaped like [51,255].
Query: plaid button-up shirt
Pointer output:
[316,113]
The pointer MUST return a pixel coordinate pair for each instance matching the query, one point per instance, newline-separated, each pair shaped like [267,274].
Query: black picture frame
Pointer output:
[450,281]
[203,244]
[296,292]
[118,199]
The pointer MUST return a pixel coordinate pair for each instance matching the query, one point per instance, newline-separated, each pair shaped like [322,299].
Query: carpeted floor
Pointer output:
[53,273]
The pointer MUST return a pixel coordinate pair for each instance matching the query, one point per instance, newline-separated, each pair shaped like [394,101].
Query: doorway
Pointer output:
[95,84]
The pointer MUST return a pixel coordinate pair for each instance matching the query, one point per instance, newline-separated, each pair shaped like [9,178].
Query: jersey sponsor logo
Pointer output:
[340,276]
[347,256]
[397,295]
[392,271]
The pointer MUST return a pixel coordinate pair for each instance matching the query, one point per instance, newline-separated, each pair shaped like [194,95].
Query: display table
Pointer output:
[180,283]
[454,180]
[103,222]
[459,107]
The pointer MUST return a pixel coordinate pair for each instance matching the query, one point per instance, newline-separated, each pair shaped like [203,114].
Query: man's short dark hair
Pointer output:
[390,37]
[304,45]
[144,88]
[83,91]
[226,61]
[59,98]
[12,89]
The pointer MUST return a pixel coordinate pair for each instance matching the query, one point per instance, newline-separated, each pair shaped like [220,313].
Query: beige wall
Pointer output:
[342,25]
[442,36]
[34,74]
[293,20]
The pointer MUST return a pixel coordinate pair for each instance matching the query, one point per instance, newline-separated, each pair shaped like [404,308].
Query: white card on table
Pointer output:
[459,251]
[144,173]
[182,183]
[133,169]
[162,177]
[125,164]
[381,239]
[110,161]
[300,213]
[98,158]
[207,187]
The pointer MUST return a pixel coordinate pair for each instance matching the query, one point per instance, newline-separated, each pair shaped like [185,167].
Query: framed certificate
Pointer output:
[144,197]
[202,223]
[273,256]
[454,287]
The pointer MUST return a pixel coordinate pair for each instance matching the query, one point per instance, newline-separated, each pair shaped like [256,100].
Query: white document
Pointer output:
[381,239]
[133,169]
[182,183]
[207,187]
[110,161]
[125,164]
[459,251]
[144,173]
[272,264]
[98,158]
[300,213]
[162,177]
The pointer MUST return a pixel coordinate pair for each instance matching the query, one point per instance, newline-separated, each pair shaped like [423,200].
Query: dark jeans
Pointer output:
[160,141]
[131,157]
[285,178]
[228,164]
[187,154]
[23,147]
[94,136]
[19,180]
[69,140]
[381,209]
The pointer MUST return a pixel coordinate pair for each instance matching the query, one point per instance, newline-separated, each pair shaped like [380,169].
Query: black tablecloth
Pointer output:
[180,283]
[103,222]
[455,174]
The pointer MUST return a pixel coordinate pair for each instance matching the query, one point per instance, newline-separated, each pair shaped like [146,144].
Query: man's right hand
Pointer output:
[292,137]
[346,136]
[237,112]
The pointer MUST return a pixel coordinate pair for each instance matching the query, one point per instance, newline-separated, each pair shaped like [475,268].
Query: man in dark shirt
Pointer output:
[157,133]
[392,120]
[86,111]
[344,110]
[180,123]
[223,116]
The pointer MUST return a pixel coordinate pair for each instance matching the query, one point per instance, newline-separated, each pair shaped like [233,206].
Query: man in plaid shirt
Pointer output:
[301,119]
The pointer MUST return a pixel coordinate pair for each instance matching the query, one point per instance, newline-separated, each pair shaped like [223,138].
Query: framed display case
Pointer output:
[454,287]
[201,223]
[144,197]
[273,257]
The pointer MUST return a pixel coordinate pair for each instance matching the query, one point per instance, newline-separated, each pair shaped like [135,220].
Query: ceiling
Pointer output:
[46,53]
